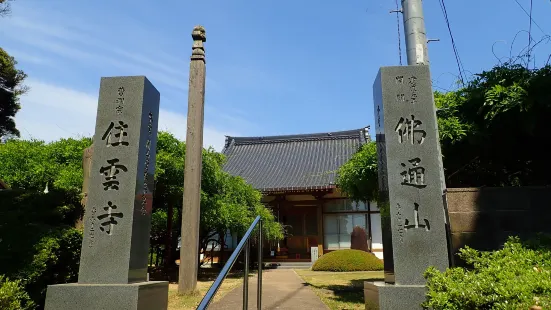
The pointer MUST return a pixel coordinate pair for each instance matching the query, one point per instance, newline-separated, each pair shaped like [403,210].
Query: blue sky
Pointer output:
[273,67]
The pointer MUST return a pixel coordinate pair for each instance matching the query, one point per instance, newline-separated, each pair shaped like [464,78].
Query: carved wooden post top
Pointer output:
[199,36]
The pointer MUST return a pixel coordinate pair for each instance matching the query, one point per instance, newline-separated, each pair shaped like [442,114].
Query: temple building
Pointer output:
[297,176]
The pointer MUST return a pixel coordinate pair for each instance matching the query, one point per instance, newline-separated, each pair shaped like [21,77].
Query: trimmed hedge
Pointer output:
[348,260]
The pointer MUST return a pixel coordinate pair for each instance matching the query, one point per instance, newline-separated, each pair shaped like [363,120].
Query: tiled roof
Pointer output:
[294,162]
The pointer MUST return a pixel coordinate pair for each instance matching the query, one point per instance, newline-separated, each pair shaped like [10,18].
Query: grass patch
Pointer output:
[204,281]
[340,290]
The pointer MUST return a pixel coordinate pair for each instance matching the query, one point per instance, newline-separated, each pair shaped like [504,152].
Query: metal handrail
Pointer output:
[243,244]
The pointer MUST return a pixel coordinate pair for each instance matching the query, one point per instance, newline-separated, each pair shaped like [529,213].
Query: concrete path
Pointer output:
[281,289]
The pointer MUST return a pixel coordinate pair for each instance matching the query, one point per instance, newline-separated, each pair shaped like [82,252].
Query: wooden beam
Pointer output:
[320,221]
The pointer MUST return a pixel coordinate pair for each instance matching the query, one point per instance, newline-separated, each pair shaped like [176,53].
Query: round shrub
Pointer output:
[348,260]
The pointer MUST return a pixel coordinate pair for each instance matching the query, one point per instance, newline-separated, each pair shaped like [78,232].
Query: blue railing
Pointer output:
[243,244]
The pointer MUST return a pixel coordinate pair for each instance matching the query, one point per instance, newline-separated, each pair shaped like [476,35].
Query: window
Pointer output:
[376,230]
[338,228]
[343,205]
[228,242]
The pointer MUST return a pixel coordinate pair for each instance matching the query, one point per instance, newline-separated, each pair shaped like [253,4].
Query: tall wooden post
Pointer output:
[189,256]
[168,238]
[86,166]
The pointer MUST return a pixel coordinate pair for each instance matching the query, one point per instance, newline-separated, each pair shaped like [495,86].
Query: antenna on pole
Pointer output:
[415,32]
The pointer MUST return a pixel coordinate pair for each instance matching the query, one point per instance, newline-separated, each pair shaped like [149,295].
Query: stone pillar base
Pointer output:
[135,296]
[382,296]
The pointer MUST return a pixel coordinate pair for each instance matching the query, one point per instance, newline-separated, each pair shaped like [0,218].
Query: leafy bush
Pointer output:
[56,260]
[13,296]
[39,245]
[348,260]
[25,218]
[515,277]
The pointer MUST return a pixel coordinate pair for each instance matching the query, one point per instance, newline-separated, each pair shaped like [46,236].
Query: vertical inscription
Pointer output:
[92,230]
[414,176]
[400,223]
[410,133]
[400,97]
[412,86]
[110,172]
[382,160]
[379,116]
[115,135]
[120,100]
[416,223]
[412,82]
[108,218]
[146,166]
[408,130]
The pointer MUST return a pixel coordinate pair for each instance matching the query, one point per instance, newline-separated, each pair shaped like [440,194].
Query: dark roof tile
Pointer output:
[292,162]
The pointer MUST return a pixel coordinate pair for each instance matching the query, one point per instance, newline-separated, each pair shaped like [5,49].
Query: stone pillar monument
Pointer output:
[189,256]
[117,221]
[411,188]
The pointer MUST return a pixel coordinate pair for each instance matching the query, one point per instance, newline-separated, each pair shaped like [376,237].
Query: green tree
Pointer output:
[493,129]
[228,203]
[11,88]
[358,177]
[33,164]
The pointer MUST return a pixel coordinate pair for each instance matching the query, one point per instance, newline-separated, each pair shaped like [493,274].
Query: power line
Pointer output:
[530,15]
[454,46]
[399,35]
[530,33]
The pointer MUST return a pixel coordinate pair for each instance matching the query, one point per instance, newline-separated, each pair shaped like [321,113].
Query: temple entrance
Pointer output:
[301,223]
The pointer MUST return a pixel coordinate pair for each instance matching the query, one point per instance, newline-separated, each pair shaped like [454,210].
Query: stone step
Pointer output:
[291,265]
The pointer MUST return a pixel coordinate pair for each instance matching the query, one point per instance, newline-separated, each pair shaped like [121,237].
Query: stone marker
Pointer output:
[189,252]
[358,239]
[117,222]
[410,186]
[314,254]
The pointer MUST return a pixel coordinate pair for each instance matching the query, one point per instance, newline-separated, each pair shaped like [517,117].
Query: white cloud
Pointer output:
[76,44]
[28,57]
[44,39]
[50,112]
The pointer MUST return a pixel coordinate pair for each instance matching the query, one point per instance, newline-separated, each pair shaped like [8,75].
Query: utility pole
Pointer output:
[189,256]
[418,55]
[415,32]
